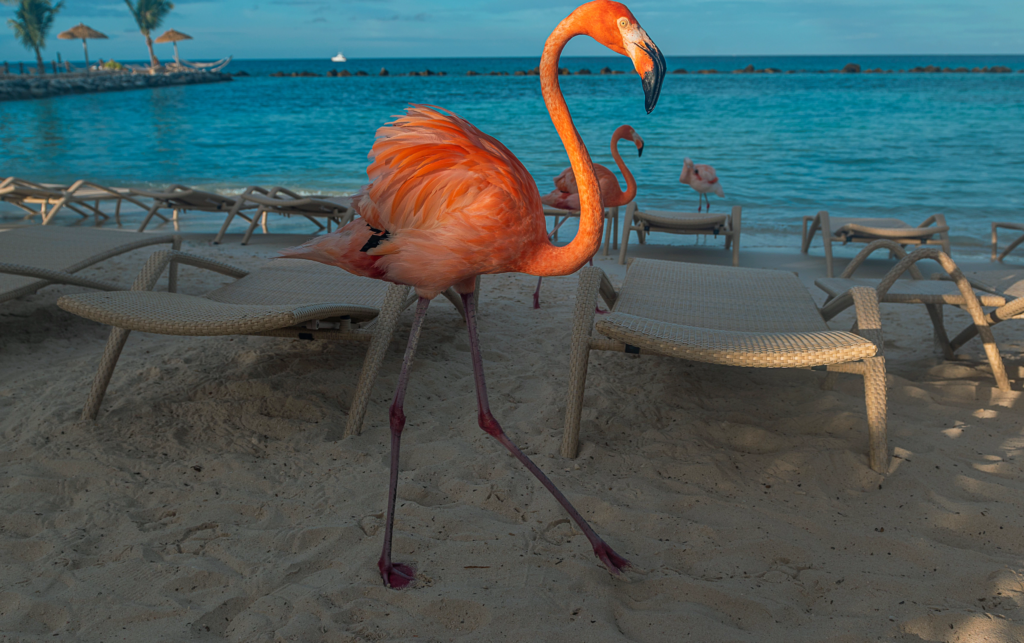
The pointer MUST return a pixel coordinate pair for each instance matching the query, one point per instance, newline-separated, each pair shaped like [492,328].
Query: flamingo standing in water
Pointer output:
[703,179]
[566,194]
[447,202]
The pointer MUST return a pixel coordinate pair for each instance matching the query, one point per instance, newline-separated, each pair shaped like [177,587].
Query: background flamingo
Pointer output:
[447,202]
[566,193]
[703,179]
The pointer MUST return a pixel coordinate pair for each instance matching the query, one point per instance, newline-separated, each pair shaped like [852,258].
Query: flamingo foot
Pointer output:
[611,560]
[398,576]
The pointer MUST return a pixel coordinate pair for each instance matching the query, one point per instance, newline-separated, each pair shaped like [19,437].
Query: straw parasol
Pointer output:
[84,32]
[173,36]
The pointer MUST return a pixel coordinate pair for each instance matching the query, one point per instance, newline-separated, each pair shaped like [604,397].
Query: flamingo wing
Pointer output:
[566,181]
[430,168]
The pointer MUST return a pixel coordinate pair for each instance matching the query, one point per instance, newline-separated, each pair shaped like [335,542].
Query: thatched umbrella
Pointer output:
[173,36]
[84,32]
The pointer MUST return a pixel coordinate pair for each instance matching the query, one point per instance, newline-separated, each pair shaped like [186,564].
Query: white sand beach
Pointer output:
[215,499]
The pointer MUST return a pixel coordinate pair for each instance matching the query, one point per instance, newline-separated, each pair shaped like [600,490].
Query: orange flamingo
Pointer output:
[447,202]
[566,194]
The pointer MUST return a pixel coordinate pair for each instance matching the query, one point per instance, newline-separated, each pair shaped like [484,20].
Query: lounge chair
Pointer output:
[180,198]
[611,230]
[644,222]
[933,231]
[278,200]
[729,316]
[1019,227]
[81,197]
[35,256]
[956,290]
[286,298]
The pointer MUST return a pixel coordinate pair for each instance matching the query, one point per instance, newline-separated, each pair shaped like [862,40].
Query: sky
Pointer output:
[485,28]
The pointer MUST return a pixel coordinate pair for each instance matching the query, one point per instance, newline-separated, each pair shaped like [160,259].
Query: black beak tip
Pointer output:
[652,79]
[640,150]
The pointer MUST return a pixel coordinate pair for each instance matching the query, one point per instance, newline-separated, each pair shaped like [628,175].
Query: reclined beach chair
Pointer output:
[611,230]
[81,197]
[278,200]
[957,289]
[730,316]
[180,198]
[933,231]
[644,222]
[35,256]
[1019,227]
[286,298]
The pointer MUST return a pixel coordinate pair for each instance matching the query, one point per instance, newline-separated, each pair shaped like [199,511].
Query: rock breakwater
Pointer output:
[24,87]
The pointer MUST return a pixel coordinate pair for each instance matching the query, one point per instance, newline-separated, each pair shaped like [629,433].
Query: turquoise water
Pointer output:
[784,145]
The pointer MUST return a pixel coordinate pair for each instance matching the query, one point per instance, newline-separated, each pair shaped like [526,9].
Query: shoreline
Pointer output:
[29,86]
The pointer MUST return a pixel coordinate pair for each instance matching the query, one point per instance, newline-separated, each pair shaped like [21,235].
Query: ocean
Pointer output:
[785,145]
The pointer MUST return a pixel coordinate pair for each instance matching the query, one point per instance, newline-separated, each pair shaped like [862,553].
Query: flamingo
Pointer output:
[566,194]
[701,178]
[446,203]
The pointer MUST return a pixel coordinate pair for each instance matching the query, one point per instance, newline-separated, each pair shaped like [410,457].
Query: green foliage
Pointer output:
[113,64]
[33,20]
[149,14]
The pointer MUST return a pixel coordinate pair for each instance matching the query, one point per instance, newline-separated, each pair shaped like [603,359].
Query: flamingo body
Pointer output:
[454,203]
[701,178]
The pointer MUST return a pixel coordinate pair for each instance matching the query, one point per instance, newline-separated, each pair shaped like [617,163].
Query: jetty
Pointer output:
[26,86]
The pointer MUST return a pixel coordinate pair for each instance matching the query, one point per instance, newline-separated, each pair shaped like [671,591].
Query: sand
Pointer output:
[215,499]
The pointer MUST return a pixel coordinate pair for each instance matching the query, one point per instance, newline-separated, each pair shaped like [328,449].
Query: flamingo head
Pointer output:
[613,25]
[687,172]
[625,131]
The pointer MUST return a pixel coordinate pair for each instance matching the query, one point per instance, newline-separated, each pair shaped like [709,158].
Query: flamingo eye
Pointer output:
[623,22]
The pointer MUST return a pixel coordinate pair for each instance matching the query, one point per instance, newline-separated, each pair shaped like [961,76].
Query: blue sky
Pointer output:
[470,28]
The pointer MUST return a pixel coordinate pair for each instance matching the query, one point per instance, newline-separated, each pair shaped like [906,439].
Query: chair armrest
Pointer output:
[151,272]
[878,244]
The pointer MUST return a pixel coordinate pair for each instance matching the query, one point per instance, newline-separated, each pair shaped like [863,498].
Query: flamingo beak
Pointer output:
[654,72]
[640,150]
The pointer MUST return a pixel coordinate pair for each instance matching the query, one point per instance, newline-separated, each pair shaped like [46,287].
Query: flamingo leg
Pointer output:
[536,294]
[489,424]
[397,576]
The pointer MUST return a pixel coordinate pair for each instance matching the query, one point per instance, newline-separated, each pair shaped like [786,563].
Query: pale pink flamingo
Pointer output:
[447,203]
[703,179]
[566,194]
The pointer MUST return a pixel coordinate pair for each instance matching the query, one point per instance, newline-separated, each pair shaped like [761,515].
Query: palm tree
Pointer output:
[148,15]
[32,21]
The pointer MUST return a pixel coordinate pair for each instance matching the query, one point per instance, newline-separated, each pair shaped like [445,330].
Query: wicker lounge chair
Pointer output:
[730,316]
[35,256]
[933,231]
[611,230]
[278,200]
[180,198]
[955,290]
[644,222]
[286,298]
[81,197]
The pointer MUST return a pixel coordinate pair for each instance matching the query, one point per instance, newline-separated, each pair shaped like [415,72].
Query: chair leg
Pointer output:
[876,401]
[252,227]
[939,330]
[579,357]
[737,213]
[111,353]
[994,359]
[149,215]
[627,221]
[384,329]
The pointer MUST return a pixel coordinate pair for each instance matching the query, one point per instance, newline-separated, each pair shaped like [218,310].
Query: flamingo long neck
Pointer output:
[548,259]
[622,198]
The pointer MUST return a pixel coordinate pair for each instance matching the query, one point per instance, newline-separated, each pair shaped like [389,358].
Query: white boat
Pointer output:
[340,58]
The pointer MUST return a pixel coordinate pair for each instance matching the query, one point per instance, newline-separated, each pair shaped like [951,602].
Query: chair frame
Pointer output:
[176,198]
[594,282]
[1019,227]
[731,230]
[18,192]
[821,221]
[269,202]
